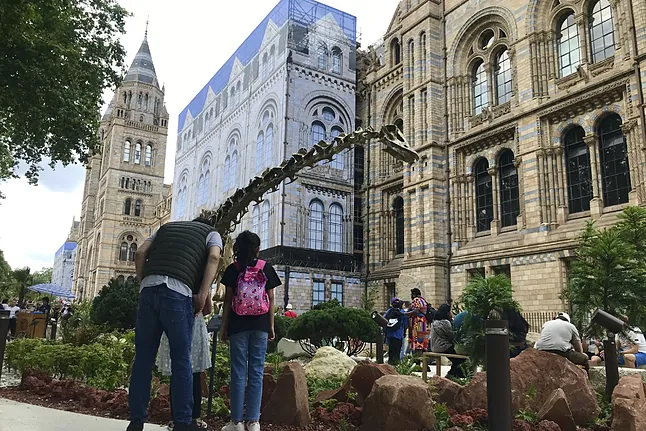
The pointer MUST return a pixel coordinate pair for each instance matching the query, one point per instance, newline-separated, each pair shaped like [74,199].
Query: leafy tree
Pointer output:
[5,276]
[56,58]
[329,321]
[22,279]
[609,271]
[369,298]
[116,305]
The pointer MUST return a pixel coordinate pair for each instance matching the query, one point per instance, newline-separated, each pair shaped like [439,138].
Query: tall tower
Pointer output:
[123,182]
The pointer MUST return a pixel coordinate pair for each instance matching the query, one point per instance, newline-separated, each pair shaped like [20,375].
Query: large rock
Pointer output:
[444,390]
[629,405]
[400,403]
[288,405]
[544,373]
[364,376]
[290,349]
[268,388]
[556,409]
[329,363]
[598,376]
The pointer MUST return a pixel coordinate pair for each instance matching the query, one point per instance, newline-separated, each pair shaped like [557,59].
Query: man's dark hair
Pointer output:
[442,313]
[45,299]
[5,301]
[203,220]
[416,292]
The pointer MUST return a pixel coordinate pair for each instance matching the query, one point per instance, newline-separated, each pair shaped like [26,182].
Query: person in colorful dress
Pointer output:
[419,329]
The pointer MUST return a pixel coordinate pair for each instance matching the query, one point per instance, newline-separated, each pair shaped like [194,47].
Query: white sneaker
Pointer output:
[233,427]
[253,426]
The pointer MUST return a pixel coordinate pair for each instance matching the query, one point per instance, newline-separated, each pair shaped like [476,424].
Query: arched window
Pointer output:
[328,114]
[484,196]
[264,67]
[127,183]
[137,153]
[121,279]
[338,161]
[123,252]
[509,200]
[149,155]
[227,171]
[238,91]
[602,33]
[503,77]
[126,209]
[396,55]
[181,198]
[568,44]
[126,151]
[615,172]
[411,58]
[422,40]
[579,174]
[204,183]
[272,57]
[335,235]
[318,132]
[480,95]
[122,183]
[322,55]
[234,170]
[264,225]
[398,208]
[336,60]
[255,220]
[138,185]
[260,151]
[133,250]
[138,208]
[269,145]
[315,225]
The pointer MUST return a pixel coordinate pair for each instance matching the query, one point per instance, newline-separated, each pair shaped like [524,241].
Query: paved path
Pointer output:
[26,417]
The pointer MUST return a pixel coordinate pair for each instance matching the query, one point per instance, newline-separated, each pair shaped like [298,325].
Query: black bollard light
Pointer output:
[611,362]
[213,326]
[498,376]
[382,322]
[4,331]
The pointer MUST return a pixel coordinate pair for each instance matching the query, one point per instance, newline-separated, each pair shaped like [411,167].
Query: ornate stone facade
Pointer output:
[527,115]
[124,183]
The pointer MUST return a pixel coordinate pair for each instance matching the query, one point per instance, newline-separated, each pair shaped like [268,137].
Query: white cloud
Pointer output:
[189,41]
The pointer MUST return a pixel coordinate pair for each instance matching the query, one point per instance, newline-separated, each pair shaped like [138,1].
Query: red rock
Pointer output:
[339,394]
[38,375]
[159,410]
[268,388]
[364,376]
[462,420]
[163,390]
[629,405]
[544,372]
[398,403]
[556,409]
[547,426]
[480,416]
[118,405]
[288,405]
[340,412]
[520,425]
[444,390]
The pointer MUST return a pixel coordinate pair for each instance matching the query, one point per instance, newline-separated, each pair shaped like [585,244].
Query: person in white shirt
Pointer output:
[561,337]
[631,346]
[13,318]
[4,305]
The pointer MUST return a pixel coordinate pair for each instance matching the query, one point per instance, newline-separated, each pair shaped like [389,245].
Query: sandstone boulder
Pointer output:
[268,388]
[598,376]
[290,349]
[329,363]
[398,403]
[557,409]
[288,405]
[629,405]
[444,390]
[547,426]
[544,372]
[364,376]
[339,394]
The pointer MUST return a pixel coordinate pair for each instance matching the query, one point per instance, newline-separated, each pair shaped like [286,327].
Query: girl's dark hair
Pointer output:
[442,313]
[416,292]
[244,249]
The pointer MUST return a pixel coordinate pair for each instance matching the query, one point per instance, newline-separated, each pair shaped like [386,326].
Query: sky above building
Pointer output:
[188,45]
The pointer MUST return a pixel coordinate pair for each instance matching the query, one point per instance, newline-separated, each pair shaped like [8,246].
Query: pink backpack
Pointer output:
[251,298]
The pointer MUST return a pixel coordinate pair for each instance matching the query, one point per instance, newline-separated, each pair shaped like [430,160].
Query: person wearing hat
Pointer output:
[395,330]
[560,336]
[290,313]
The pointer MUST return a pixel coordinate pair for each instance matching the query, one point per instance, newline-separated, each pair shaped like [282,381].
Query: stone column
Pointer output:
[542,187]
[552,185]
[581,21]
[596,204]
[421,215]
[561,211]
[408,224]
[464,212]
[632,149]
[490,84]
[520,220]
[495,223]
[470,207]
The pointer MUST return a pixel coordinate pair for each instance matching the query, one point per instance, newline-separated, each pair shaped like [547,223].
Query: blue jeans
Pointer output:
[163,310]
[247,350]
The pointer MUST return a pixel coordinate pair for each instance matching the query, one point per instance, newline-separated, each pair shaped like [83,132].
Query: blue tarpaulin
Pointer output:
[52,289]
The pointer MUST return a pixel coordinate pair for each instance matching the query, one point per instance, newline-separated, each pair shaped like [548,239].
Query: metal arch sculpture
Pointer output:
[229,214]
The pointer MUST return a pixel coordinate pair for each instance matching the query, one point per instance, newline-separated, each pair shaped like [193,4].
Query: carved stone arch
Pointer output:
[555,16]
[269,103]
[472,29]
[392,102]
[207,155]
[322,97]
[234,134]
[540,12]
[471,160]
[563,130]
[595,118]
[507,146]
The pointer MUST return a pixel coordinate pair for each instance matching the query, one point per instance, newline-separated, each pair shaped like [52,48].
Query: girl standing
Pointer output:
[248,322]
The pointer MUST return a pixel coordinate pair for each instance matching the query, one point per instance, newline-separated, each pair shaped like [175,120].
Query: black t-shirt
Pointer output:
[249,323]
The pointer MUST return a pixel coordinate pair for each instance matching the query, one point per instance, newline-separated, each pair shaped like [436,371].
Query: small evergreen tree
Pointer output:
[116,305]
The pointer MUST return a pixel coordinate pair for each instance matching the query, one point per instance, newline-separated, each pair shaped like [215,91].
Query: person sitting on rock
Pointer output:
[592,347]
[631,346]
[561,337]
[443,338]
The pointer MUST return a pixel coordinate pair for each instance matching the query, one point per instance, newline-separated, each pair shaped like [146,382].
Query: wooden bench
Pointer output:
[438,362]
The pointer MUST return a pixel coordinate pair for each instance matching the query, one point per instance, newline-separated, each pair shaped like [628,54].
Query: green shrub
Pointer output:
[330,320]
[116,305]
[316,386]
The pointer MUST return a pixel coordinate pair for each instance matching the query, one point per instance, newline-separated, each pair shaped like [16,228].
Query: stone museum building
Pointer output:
[290,84]
[124,198]
[528,116]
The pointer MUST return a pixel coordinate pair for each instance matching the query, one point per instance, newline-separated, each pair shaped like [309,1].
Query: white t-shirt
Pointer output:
[633,337]
[557,335]
[12,311]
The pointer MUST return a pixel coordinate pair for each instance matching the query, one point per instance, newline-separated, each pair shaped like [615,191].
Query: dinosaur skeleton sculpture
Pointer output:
[229,214]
